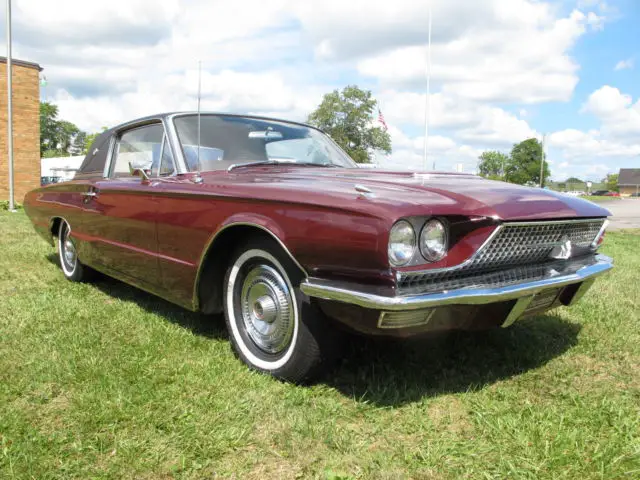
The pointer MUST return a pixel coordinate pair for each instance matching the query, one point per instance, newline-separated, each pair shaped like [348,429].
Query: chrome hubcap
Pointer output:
[266,308]
[69,251]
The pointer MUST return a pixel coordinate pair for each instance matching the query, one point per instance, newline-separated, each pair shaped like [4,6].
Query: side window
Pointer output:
[140,145]
[167,165]
[96,157]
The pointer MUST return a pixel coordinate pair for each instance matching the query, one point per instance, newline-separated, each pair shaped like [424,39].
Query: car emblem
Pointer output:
[562,250]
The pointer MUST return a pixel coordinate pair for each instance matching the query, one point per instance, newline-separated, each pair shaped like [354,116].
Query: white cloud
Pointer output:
[578,144]
[522,55]
[619,115]
[624,64]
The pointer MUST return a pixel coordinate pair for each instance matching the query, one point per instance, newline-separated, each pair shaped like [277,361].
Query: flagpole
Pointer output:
[10,109]
[427,105]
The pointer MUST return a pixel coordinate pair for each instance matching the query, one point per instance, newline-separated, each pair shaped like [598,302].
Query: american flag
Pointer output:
[381,120]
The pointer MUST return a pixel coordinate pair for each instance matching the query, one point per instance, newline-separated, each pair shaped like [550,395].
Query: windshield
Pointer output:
[227,140]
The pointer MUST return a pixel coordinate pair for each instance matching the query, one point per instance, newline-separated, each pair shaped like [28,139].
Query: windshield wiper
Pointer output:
[251,164]
[275,162]
[312,164]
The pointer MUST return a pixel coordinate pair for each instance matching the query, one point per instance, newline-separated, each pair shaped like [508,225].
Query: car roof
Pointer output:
[168,115]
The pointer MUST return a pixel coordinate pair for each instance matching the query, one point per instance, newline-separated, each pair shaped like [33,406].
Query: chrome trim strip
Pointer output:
[594,244]
[407,274]
[196,302]
[107,163]
[351,293]
[178,154]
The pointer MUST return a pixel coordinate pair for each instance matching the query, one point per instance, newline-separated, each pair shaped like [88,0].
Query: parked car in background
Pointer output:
[599,193]
[611,194]
[48,180]
[635,195]
[271,223]
[576,193]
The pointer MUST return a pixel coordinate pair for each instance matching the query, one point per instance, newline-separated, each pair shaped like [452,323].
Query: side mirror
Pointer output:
[140,168]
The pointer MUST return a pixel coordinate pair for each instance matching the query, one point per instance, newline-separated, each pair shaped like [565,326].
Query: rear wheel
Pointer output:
[71,267]
[273,326]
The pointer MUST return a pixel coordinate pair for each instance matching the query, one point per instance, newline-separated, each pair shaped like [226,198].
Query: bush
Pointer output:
[4,205]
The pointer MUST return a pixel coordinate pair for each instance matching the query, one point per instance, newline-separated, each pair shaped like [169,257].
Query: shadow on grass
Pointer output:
[395,372]
[210,326]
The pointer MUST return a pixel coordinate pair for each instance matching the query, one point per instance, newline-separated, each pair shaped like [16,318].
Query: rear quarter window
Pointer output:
[93,164]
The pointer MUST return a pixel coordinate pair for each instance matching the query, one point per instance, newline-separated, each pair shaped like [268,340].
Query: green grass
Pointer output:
[104,381]
[598,198]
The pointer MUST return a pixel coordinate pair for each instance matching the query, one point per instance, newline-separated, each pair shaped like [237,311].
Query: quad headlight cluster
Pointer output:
[432,243]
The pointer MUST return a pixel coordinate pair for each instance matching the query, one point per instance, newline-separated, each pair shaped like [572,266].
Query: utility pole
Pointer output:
[12,207]
[544,139]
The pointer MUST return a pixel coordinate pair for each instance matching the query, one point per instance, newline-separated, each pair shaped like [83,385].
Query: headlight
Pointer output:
[434,240]
[402,243]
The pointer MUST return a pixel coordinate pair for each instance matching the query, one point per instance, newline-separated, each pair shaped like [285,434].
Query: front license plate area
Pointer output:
[543,300]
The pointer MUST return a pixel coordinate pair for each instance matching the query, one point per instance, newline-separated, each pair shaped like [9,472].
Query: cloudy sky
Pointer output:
[502,70]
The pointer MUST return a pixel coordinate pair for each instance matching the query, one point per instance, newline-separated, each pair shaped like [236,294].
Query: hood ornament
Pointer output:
[364,192]
[562,250]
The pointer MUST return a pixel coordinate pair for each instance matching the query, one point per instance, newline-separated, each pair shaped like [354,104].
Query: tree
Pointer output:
[574,180]
[48,127]
[492,164]
[348,116]
[612,182]
[58,137]
[524,165]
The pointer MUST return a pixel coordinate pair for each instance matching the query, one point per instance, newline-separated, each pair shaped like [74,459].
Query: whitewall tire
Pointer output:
[272,325]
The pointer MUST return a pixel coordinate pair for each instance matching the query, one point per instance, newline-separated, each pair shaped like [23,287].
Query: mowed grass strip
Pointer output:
[104,381]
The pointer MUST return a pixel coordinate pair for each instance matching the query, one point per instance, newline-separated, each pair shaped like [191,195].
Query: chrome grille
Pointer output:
[511,245]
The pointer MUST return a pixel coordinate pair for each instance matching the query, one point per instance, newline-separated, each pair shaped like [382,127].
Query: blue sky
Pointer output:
[502,71]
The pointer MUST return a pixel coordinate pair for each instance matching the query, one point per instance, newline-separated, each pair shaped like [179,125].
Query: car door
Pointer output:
[121,210]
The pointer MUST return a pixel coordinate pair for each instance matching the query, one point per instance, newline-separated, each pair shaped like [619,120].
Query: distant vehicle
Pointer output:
[576,193]
[600,193]
[49,180]
[636,195]
[611,194]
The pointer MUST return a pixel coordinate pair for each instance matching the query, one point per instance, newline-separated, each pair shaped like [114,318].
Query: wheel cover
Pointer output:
[265,304]
[69,253]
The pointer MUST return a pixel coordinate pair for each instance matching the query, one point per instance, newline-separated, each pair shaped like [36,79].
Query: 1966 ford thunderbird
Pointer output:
[273,224]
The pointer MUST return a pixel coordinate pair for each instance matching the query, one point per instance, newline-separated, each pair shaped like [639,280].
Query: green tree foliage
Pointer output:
[492,164]
[574,180]
[524,165]
[348,117]
[612,182]
[58,138]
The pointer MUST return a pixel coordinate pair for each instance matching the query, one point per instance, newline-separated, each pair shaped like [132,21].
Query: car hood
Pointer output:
[400,194]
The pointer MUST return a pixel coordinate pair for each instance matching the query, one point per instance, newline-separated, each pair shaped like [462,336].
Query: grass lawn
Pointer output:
[104,381]
[599,198]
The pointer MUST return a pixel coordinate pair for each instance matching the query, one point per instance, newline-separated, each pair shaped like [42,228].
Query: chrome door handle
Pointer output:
[90,194]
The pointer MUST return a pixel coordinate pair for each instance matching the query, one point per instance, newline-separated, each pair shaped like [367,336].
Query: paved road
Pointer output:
[626,213]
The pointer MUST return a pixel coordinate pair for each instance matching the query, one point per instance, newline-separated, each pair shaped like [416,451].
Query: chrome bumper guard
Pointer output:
[581,270]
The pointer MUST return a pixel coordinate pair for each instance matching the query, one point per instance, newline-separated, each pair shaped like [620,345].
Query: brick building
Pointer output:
[26,128]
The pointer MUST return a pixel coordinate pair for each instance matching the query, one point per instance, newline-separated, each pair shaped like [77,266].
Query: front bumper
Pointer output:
[519,295]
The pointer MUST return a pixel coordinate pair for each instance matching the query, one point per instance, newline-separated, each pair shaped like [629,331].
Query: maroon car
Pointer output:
[273,224]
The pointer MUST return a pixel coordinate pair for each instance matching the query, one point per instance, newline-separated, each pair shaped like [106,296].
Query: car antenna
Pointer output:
[198,178]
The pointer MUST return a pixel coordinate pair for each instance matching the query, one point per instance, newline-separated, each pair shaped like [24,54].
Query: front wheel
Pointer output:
[272,325]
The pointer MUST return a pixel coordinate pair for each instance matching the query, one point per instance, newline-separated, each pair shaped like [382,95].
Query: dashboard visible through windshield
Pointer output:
[227,140]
